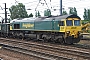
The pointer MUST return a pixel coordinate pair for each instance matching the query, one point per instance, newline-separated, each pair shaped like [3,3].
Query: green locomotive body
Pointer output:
[41,25]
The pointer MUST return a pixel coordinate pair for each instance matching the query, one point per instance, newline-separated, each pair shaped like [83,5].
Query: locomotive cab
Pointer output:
[62,25]
[71,27]
[73,30]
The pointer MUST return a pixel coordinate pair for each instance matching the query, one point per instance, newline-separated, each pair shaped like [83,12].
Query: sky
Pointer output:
[55,4]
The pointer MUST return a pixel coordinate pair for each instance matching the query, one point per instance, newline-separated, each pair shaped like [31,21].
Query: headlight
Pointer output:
[68,32]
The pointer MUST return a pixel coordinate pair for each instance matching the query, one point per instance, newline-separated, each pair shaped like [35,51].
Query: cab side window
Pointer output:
[61,23]
[16,26]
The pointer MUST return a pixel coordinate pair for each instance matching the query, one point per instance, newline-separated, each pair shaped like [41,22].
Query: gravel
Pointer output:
[12,55]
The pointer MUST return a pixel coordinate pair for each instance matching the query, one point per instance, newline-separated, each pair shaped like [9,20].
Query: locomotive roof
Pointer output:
[44,18]
[73,16]
[23,20]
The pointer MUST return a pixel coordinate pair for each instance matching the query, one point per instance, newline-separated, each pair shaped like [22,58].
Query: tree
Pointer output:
[64,13]
[86,15]
[18,11]
[31,15]
[37,14]
[47,12]
[73,11]
[89,14]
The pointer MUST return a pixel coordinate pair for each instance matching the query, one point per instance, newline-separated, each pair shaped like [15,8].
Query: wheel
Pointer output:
[60,40]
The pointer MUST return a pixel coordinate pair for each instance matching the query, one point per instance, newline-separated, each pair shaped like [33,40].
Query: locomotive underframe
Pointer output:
[44,35]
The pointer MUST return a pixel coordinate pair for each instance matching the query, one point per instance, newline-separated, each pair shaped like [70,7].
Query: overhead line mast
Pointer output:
[5,14]
[60,7]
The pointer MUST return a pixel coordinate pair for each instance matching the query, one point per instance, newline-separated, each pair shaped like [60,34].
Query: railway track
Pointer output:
[32,52]
[44,51]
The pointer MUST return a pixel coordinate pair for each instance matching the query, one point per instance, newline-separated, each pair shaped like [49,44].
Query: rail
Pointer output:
[45,50]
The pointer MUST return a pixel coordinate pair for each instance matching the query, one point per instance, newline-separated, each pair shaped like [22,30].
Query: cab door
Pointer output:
[62,26]
[53,28]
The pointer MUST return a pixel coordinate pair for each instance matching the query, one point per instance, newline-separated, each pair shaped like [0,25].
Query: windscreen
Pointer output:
[69,23]
[76,22]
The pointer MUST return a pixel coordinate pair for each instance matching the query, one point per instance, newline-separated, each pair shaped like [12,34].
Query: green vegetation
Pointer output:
[37,14]
[86,15]
[31,15]
[64,12]
[73,11]
[47,12]
[18,11]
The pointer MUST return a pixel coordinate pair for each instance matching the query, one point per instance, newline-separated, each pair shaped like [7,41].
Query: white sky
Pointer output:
[31,4]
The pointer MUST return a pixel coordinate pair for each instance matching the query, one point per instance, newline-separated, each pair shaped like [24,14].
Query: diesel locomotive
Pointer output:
[63,29]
